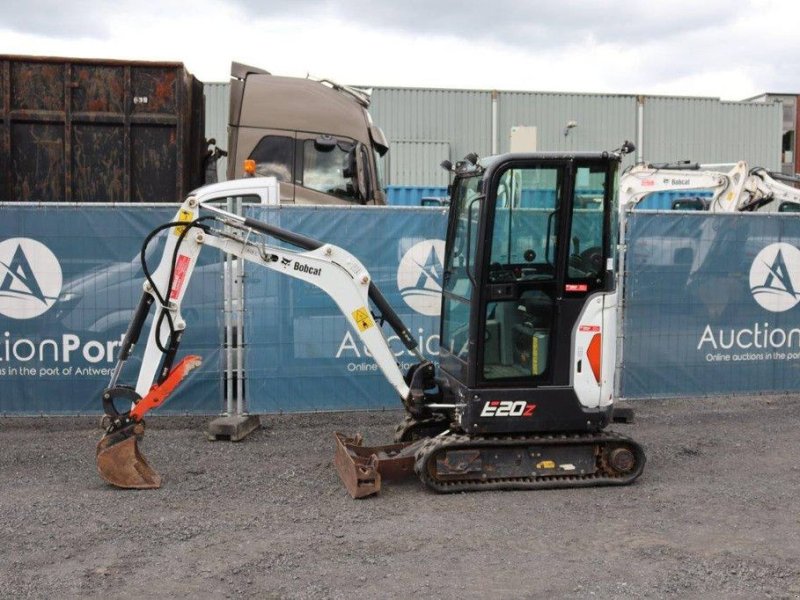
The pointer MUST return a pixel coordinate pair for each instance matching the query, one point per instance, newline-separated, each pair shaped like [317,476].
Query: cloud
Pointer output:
[86,19]
[725,48]
[682,41]
[516,23]
[54,18]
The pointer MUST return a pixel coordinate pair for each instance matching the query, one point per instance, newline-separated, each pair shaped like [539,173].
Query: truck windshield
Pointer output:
[323,170]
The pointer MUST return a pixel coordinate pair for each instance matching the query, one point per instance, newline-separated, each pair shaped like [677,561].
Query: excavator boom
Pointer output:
[332,269]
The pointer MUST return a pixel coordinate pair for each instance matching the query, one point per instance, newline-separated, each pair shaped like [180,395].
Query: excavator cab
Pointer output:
[528,301]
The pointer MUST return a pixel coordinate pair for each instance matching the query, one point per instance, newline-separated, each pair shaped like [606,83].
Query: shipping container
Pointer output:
[97,130]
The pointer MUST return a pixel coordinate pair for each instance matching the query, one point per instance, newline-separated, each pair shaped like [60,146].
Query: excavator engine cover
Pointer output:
[121,464]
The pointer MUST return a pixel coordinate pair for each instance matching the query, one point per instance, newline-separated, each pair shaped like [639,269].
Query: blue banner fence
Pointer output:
[710,304]
[70,277]
[710,307]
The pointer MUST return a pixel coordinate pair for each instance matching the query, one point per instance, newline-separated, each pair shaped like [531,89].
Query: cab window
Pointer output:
[274,156]
[586,260]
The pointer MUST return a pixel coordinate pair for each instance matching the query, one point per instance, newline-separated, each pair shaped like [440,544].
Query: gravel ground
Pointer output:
[715,515]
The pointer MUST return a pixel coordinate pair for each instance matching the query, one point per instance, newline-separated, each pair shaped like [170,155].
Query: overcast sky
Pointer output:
[719,48]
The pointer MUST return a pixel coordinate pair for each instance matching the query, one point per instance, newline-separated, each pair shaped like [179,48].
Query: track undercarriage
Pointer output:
[452,462]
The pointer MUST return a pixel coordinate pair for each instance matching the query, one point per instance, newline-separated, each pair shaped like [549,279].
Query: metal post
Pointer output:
[639,129]
[494,121]
[241,404]
[621,275]
[228,310]
[236,424]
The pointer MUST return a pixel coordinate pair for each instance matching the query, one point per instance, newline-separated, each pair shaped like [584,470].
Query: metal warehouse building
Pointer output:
[426,126]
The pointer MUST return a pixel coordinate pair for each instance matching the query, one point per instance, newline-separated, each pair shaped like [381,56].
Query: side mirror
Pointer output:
[627,147]
[354,169]
[325,143]
[349,169]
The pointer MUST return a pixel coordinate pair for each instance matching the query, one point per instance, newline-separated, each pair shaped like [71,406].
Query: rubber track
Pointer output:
[603,475]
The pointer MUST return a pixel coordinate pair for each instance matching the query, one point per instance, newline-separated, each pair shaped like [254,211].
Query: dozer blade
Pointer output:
[120,463]
[361,468]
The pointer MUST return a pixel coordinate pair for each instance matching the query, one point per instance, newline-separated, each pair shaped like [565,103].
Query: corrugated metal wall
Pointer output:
[603,122]
[417,163]
[709,131]
[421,123]
[217,100]
[462,118]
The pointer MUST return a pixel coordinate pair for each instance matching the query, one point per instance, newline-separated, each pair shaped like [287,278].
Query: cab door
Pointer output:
[520,275]
[457,335]
[542,272]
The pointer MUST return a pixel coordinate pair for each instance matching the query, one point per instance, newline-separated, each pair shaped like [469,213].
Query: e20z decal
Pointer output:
[508,408]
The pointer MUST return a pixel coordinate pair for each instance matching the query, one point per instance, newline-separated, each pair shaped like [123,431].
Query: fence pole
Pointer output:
[236,424]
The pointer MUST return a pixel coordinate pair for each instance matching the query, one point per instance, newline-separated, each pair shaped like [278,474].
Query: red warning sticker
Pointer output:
[589,328]
[576,287]
[181,267]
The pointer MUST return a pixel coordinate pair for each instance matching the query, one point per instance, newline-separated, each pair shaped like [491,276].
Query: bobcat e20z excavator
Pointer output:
[524,389]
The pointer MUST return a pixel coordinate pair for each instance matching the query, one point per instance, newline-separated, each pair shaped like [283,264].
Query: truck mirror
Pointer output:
[325,143]
[363,178]
[349,170]
[355,170]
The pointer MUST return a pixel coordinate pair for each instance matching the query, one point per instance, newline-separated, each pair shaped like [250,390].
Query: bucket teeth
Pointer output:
[120,463]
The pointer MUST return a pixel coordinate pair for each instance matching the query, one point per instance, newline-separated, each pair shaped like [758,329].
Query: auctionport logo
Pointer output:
[419,277]
[30,278]
[771,281]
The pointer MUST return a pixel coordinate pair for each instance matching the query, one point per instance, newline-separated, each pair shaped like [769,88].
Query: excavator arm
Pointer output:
[765,191]
[741,189]
[644,179]
[333,270]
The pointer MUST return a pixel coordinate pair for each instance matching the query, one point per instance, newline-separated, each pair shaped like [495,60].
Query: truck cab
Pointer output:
[315,137]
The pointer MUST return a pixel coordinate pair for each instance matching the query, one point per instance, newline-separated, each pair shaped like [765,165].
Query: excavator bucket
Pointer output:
[361,468]
[120,463]
[118,458]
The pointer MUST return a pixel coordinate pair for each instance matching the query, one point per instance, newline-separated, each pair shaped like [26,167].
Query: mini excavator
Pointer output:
[524,389]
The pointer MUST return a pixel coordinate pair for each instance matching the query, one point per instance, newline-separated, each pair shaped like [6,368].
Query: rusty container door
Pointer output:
[74,130]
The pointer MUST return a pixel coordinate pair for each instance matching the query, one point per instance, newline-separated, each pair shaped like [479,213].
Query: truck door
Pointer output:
[275,154]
